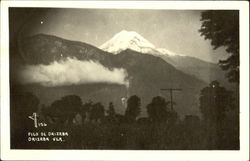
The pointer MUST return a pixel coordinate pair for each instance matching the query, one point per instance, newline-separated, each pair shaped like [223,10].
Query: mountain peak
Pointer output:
[127,40]
[134,41]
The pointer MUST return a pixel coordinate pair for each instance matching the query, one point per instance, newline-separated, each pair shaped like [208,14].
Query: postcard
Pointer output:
[124,80]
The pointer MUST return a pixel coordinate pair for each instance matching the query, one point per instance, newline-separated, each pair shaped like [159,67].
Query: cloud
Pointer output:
[72,71]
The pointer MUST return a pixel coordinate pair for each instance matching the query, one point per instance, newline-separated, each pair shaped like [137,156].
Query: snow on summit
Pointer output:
[134,41]
[127,40]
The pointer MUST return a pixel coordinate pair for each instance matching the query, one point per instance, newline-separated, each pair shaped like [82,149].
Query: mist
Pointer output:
[72,71]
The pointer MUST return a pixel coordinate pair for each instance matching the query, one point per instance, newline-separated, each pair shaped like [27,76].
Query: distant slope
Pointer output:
[44,49]
[147,75]
[203,70]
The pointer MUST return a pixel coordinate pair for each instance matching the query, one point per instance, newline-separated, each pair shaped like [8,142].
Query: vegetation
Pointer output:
[222,28]
[215,103]
[91,126]
[133,108]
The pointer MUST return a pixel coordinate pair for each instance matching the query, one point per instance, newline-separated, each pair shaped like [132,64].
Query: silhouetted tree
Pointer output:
[214,101]
[66,108]
[222,28]
[111,110]
[172,117]
[85,110]
[111,115]
[133,108]
[158,109]
[96,111]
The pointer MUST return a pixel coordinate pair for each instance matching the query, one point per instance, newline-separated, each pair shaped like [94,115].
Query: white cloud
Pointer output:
[71,72]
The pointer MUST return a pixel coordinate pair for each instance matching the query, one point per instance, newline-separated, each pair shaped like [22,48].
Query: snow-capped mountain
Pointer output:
[148,73]
[134,41]
[190,65]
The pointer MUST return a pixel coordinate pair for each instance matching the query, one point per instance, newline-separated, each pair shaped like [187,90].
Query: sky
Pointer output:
[175,30]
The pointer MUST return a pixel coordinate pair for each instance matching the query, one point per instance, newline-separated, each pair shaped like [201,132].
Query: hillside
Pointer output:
[147,75]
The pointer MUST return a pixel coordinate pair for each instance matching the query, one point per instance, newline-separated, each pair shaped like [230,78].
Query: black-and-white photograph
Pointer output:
[127,81]
[124,79]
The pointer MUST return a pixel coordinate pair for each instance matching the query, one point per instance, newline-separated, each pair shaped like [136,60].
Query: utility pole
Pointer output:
[171,90]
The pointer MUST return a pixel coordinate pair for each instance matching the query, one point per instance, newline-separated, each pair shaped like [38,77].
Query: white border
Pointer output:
[7,154]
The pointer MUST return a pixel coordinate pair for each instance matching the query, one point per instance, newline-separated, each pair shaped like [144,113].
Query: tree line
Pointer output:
[92,126]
